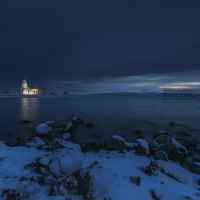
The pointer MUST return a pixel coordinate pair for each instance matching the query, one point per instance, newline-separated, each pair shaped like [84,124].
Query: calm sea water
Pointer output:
[111,116]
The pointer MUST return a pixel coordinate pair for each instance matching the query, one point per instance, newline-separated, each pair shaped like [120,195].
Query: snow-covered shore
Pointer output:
[54,165]
[111,175]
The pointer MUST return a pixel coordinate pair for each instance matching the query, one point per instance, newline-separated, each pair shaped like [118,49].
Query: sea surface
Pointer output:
[111,115]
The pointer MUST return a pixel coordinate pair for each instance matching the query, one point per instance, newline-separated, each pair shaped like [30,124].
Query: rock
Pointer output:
[195,168]
[84,183]
[136,132]
[190,165]
[169,145]
[61,162]
[61,123]
[160,133]
[41,164]
[136,180]
[54,168]
[173,171]
[118,143]
[84,147]
[89,125]
[43,128]
[182,134]
[114,144]
[38,179]
[187,142]
[46,139]
[161,155]
[59,144]
[51,127]
[56,144]
[152,169]
[89,146]
[194,155]
[66,136]
[143,147]
[75,120]
[36,142]
[187,163]
[10,194]
[56,135]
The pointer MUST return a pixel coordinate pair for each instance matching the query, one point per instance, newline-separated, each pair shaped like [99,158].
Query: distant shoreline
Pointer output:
[119,94]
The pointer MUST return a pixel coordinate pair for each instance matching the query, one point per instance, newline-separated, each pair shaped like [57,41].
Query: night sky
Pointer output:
[99,45]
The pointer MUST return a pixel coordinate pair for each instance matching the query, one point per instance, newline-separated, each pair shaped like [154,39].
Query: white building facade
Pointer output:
[26,90]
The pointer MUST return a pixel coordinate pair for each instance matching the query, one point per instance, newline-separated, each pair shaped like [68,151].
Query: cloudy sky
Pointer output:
[100,45]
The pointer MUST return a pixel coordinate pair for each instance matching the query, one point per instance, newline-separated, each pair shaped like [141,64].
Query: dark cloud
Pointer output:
[76,42]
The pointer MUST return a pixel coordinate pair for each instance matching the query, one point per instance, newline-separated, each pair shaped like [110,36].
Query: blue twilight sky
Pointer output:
[100,45]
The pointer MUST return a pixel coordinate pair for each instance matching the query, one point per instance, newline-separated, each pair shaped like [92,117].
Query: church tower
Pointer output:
[24,87]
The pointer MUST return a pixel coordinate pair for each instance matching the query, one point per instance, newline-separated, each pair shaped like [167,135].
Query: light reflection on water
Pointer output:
[29,108]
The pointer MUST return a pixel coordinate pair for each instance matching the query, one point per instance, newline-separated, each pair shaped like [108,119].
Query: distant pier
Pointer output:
[181,92]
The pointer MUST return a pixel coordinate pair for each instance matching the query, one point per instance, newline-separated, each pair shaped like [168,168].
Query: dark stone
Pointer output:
[187,141]
[161,155]
[56,135]
[136,180]
[78,183]
[160,133]
[182,134]
[59,124]
[55,145]
[142,147]
[75,120]
[84,147]
[10,194]
[93,146]
[152,169]
[169,145]
[114,144]
[56,131]
[38,179]
[195,168]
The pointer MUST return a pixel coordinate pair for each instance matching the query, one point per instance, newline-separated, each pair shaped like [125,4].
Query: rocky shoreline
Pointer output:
[53,164]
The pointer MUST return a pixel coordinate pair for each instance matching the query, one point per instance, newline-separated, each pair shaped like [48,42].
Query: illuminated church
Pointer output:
[26,90]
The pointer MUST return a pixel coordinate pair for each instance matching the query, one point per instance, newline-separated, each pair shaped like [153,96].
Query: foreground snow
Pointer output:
[113,175]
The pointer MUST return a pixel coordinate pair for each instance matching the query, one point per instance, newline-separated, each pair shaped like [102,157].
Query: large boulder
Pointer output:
[75,120]
[89,146]
[169,145]
[36,142]
[118,143]
[143,147]
[85,183]
[65,161]
[161,155]
[61,123]
[60,143]
[190,164]
[48,128]
[181,134]
[187,142]
[173,171]
[160,133]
